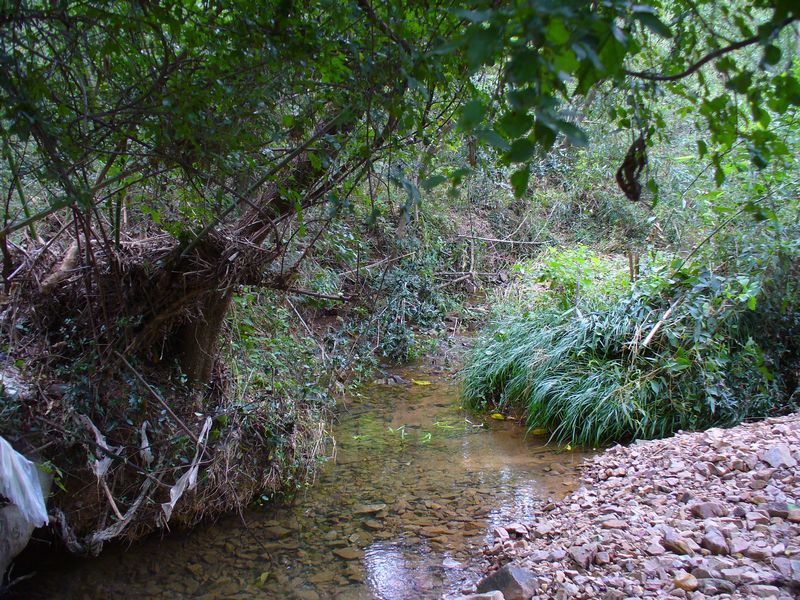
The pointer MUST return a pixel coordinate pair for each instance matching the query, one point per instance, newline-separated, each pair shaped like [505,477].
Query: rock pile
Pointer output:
[696,515]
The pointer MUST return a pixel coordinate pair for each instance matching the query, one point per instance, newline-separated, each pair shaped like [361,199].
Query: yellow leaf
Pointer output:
[420,382]
[568,447]
[262,579]
[539,431]
[498,417]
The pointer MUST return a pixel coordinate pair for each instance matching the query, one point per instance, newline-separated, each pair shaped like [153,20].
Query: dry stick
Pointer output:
[454,281]
[158,397]
[340,298]
[308,329]
[375,264]
[659,324]
[496,241]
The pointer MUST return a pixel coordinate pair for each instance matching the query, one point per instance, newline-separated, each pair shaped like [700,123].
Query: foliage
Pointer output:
[579,275]
[281,386]
[687,350]
[582,46]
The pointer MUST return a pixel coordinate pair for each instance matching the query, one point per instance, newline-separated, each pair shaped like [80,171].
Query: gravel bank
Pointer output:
[693,516]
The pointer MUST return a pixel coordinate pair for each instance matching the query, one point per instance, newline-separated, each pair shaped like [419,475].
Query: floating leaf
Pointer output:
[420,382]
[498,417]
[539,431]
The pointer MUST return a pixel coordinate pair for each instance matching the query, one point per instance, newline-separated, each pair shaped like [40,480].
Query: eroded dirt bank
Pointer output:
[703,514]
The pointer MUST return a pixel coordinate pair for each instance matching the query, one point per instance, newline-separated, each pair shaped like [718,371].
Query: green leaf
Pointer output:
[481,45]
[432,181]
[521,150]
[772,54]
[515,124]
[472,114]
[493,139]
[474,16]
[654,24]
[556,33]
[519,181]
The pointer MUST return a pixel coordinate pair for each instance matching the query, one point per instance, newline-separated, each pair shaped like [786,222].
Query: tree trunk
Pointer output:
[198,339]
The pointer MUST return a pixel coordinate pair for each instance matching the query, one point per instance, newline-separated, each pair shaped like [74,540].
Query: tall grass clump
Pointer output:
[685,350]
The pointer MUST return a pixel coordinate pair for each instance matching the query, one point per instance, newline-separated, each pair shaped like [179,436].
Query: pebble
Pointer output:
[693,516]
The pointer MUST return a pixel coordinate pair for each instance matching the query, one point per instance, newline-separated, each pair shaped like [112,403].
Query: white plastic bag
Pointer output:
[19,482]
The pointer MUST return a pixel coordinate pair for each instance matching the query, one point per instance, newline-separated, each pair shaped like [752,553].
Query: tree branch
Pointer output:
[709,57]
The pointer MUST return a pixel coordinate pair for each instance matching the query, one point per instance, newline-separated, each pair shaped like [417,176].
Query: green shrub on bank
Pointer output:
[697,350]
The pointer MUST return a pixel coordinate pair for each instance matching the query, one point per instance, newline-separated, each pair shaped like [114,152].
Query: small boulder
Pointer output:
[763,591]
[779,456]
[707,510]
[514,582]
[685,581]
[614,524]
[714,586]
[583,555]
[715,542]
[675,543]
[789,569]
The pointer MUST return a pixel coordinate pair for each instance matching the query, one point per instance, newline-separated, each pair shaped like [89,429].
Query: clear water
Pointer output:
[446,478]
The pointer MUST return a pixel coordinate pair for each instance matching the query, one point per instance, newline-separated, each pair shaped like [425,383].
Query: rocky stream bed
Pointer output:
[710,514]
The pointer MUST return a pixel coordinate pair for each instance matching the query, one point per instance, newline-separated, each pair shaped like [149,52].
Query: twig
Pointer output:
[158,397]
[308,329]
[454,281]
[496,241]
[375,264]
[318,295]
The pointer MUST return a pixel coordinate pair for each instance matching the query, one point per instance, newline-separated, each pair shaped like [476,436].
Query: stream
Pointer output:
[403,511]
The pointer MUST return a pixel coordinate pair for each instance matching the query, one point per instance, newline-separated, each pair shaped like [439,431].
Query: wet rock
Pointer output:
[779,456]
[495,595]
[373,524]
[368,509]
[516,529]
[348,553]
[277,531]
[514,582]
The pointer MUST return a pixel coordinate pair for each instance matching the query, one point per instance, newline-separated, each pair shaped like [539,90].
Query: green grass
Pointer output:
[585,375]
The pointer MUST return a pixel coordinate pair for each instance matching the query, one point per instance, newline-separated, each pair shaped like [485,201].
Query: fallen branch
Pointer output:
[375,264]
[497,241]
[454,281]
[318,295]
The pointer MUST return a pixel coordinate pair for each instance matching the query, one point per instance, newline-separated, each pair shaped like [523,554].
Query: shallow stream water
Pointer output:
[403,511]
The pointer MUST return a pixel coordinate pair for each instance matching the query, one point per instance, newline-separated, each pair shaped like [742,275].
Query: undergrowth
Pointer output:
[686,350]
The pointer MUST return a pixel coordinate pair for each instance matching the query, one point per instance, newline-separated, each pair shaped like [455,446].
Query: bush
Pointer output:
[698,350]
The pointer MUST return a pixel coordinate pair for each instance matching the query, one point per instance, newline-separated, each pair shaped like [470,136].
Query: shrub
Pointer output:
[698,350]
